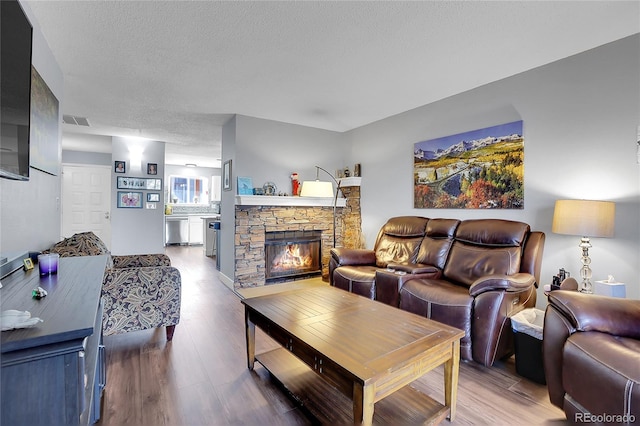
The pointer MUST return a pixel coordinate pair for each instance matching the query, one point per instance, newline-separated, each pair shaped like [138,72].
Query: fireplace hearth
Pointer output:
[292,254]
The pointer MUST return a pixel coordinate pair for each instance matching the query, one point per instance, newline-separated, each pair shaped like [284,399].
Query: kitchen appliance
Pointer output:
[212,226]
[177,230]
[215,227]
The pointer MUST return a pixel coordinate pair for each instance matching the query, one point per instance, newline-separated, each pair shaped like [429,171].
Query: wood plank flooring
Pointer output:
[201,377]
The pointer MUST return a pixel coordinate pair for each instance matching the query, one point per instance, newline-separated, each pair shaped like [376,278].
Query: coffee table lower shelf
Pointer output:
[327,405]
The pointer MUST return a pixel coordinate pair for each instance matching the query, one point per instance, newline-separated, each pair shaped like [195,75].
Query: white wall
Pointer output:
[83,157]
[137,231]
[30,211]
[580,124]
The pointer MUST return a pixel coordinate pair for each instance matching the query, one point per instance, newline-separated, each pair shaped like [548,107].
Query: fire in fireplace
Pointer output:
[292,254]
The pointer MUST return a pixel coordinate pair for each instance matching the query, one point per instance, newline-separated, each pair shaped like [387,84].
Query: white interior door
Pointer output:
[86,200]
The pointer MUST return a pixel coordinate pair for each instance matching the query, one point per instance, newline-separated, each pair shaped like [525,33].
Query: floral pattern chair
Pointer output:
[138,291]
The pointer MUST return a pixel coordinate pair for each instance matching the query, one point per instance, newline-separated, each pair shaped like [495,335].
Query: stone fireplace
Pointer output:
[260,216]
[254,222]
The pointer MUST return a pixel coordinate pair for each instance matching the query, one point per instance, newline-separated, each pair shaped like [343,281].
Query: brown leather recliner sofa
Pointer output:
[470,274]
[591,352]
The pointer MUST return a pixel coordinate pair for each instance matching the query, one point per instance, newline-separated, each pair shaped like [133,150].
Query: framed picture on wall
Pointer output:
[245,186]
[152,169]
[477,169]
[153,197]
[154,184]
[226,175]
[129,200]
[120,167]
[131,183]
[44,126]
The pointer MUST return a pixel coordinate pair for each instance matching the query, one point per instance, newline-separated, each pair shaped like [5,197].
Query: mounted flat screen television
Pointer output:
[16,35]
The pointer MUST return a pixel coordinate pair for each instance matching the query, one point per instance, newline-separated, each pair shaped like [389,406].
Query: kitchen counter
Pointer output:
[210,217]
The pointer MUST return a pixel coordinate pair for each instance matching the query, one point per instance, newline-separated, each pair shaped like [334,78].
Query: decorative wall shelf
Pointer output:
[274,200]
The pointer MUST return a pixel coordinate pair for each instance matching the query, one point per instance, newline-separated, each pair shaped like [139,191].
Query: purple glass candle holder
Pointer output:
[48,263]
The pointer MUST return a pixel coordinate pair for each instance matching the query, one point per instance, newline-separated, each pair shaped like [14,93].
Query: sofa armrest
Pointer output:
[345,256]
[389,283]
[416,268]
[589,312]
[516,282]
[141,260]
[140,298]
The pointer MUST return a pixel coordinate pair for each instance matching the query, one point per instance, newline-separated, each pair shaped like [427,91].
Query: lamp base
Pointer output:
[585,271]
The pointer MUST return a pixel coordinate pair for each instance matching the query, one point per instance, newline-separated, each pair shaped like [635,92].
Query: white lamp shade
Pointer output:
[587,218]
[316,188]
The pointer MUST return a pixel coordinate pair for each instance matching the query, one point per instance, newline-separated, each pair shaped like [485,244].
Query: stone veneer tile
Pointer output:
[252,222]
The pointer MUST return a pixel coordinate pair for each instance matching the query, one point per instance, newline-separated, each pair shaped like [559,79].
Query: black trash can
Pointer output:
[527,330]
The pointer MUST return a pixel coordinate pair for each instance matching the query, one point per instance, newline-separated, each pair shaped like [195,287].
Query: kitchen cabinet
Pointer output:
[195,230]
[54,372]
[216,188]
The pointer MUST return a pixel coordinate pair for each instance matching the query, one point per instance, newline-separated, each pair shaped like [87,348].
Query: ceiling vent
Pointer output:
[75,121]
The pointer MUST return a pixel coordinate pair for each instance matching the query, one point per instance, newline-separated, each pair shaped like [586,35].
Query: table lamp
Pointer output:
[587,218]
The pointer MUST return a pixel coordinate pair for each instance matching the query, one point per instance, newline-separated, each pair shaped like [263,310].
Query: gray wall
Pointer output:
[580,114]
[136,231]
[580,124]
[30,211]
[269,151]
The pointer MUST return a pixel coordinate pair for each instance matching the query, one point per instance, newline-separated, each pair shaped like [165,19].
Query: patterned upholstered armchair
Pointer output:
[138,292]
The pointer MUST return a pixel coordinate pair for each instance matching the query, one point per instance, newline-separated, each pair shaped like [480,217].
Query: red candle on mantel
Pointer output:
[295,184]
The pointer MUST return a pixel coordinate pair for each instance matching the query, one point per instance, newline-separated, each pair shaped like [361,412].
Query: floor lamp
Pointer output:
[322,189]
[587,218]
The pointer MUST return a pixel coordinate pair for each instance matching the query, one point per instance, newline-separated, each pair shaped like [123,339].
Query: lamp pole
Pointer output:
[335,200]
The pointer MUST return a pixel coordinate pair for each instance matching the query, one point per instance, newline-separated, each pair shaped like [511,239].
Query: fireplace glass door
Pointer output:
[292,255]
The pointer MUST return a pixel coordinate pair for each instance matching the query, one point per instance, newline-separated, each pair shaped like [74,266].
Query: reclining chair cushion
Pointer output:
[356,279]
[396,250]
[440,301]
[592,359]
[399,240]
[437,242]
[468,262]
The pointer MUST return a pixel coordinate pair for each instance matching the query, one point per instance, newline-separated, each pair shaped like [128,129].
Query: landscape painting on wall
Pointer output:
[480,169]
[45,140]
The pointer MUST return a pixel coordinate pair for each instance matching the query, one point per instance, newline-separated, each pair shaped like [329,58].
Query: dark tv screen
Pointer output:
[16,35]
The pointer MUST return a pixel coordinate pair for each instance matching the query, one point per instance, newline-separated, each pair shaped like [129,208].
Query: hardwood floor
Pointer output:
[201,377]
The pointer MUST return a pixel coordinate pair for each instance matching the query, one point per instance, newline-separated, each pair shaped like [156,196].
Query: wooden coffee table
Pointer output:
[365,349]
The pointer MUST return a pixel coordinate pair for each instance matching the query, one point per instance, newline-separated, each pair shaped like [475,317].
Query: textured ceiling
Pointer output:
[175,71]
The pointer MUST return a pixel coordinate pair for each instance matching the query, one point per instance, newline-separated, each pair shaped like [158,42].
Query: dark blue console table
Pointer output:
[54,373]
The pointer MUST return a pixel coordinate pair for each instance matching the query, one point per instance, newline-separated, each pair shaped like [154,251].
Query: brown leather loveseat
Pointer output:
[591,352]
[470,274]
